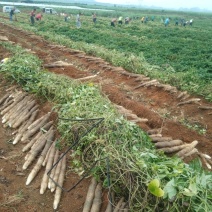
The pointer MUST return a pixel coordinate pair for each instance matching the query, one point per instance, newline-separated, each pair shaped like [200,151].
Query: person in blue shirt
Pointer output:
[166,22]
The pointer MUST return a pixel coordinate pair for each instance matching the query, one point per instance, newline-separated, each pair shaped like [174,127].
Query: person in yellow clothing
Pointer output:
[142,19]
[120,20]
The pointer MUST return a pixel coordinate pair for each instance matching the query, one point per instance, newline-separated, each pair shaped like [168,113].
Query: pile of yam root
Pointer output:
[93,200]
[177,147]
[21,112]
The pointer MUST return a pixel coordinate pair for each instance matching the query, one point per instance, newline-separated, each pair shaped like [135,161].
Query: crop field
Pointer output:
[129,106]
[177,55]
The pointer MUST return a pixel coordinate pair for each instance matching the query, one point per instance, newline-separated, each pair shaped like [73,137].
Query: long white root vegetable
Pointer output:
[187,149]
[193,151]
[160,139]
[58,192]
[205,107]
[90,195]
[38,165]
[56,175]
[168,143]
[4,98]
[31,131]
[97,201]
[25,116]
[154,131]
[49,164]
[38,148]
[174,148]
[119,205]
[194,100]
[24,127]
[47,155]
[205,161]
[50,183]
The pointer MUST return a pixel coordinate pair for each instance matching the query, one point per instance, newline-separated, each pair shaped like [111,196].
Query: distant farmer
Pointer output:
[78,21]
[120,20]
[38,17]
[32,16]
[127,20]
[12,12]
[94,17]
[166,22]
[142,19]
[191,22]
[113,21]
[65,17]
[176,22]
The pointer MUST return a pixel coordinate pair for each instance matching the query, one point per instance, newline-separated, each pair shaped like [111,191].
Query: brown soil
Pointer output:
[153,103]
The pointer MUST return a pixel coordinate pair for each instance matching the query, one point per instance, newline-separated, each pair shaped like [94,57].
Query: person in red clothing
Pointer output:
[38,17]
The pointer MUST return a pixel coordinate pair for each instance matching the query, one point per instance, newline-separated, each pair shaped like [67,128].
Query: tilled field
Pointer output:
[162,105]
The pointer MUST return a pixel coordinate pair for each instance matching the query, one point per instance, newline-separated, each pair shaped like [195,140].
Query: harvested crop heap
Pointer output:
[19,111]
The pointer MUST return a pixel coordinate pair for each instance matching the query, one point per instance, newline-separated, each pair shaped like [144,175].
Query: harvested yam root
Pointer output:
[56,174]
[97,201]
[129,114]
[90,195]
[194,100]
[51,184]
[118,206]
[49,164]
[58,64]
[206,159]
[149,83]
[205,107]
[182,94]
[35,126]
[159,138]
[168,143]
[182,153]
[61,178]
[173,149]
[38,165]
[154,131]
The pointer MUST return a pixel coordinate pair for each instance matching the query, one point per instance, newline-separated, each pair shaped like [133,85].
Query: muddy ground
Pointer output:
[156,104]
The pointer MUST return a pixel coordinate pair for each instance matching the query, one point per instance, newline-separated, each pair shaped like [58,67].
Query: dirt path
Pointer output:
[155,103]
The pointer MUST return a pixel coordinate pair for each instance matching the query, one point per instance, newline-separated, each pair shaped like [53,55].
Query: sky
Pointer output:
[203,4]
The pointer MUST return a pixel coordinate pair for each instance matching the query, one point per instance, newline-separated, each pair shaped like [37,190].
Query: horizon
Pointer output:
[175,4]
